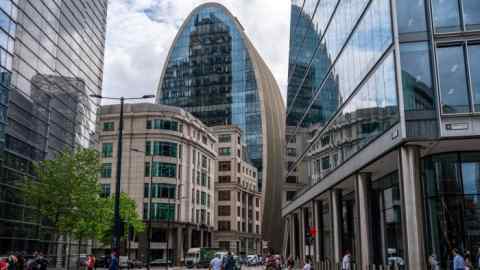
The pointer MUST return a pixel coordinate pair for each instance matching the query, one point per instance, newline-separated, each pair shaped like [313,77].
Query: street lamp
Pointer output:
[149,228]
[117,229]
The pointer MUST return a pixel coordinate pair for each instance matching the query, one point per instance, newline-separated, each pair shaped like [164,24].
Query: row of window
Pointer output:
[159,211]
[159,190]
[161,169]
[201,198]
[159,148]
[225,226]
[164,124]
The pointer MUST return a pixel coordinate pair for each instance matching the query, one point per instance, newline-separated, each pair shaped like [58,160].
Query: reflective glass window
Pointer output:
[474,61]
[453,80]
[411,16]
[471,14]
[416,77]
[446,16]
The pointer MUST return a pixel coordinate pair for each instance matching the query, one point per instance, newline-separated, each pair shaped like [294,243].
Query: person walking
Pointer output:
[468,261]
[307,265]
[347,260]
[228,262]
[12,262]
[216,263]
[114,264]
[90,262]
[290,263]
[458,261]
[434,263]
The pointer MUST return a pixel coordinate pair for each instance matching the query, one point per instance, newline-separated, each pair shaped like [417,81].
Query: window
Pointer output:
[224,151]
[257,229]
[108,126]
[159,190]
[204,161]
[225,138]
[239,153]
[149,124]
[106,171]
[166,149]
[161,169]
[160,211]
[224,195]
[223,210]
[474,61]
[164,124]
[204,139]
[239,167]
[224,225]
[107,150]
[326,163]
[471,17]
[291,179]
[224,166]
[291,151]
[453,80]
[257,215]
[204,179]
[416,77]
[238,196]
[105,190]
[257,202]
[290,195]
[224,179]
[411,16]
[446,16]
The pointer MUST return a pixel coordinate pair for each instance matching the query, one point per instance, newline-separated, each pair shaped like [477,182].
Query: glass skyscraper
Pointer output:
[387,93]
[51,57]
[214,72]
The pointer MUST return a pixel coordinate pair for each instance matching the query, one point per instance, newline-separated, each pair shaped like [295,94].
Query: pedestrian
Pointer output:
[90,262]
[307,265]
[216,263]
[4,264]
[42,262]
[468,261]
[434,263]
[290,263]
[347,260]
[20,261]
[458,261]
[228,262]
[12,262]
[113,261]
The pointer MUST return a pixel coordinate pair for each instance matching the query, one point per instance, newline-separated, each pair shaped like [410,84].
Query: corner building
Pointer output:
[170,155]
[392,174]
[51,60]
[214,72]
[238,203]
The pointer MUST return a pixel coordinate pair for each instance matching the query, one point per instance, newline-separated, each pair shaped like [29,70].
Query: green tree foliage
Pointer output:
[128,214]
[65,189]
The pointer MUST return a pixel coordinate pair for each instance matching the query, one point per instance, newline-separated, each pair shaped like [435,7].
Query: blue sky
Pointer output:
[140,33]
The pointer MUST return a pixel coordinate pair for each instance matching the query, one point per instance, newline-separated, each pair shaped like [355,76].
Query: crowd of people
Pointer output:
[19,261]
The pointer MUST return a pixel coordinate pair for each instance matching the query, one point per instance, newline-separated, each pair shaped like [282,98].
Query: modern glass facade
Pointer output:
[209,73]
[52,59]
[405,75]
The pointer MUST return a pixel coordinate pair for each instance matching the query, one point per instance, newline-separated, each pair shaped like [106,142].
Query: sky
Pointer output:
[140,33]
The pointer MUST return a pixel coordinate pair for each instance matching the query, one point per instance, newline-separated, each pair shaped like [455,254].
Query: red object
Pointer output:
[3,265]
[313,232]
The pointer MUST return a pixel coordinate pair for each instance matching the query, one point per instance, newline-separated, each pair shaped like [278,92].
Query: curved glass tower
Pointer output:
[214,72]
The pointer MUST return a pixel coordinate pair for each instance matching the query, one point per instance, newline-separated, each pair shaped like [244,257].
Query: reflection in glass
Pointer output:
[471,14]
[445,15]
[474,61]
[416,77]
[411,16]
[454,207]
[453,80]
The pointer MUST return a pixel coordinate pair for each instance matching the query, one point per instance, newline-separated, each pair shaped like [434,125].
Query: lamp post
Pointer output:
[117,228]
[149,228]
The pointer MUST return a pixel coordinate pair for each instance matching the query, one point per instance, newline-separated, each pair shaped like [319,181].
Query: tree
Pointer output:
[128,214]
[65,189]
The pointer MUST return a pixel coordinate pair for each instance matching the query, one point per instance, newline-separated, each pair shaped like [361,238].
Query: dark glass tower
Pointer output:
[52,59]
[214,72]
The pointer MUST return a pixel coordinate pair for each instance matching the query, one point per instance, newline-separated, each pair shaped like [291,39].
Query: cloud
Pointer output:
[140,33]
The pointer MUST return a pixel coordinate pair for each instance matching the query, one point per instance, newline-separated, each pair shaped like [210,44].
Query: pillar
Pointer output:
[364,237]
[301,218]
[336,225]
[316,239]
[412,216]
[293,250]
[201,237]
[286,234]
[179,245]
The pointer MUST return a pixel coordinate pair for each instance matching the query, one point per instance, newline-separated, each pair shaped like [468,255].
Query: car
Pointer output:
[161,262]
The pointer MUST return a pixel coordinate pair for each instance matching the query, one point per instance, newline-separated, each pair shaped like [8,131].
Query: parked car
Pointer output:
[161,262]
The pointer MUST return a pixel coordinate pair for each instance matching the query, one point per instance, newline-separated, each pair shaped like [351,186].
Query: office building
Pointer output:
[392,172]
[170,155]
[214,72]
[238,203]
[51,58]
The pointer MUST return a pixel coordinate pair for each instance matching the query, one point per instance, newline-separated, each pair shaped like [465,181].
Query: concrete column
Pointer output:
[411,194]
[364,237]
[201,237]
[316,240]
[179,245]
[336,225]
[286,234]
[301,218]
[293,250]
